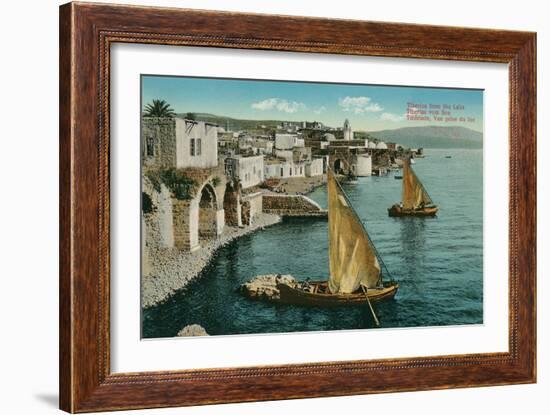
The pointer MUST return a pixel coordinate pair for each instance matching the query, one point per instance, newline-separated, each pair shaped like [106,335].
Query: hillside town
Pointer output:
[204,184]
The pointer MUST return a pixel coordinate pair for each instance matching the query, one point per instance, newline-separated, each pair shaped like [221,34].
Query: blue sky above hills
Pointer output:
[368,107]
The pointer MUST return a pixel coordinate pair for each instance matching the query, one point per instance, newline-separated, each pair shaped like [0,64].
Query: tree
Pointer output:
[159,108]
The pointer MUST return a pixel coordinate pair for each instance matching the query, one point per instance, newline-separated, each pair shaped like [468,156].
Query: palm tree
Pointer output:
[159,108]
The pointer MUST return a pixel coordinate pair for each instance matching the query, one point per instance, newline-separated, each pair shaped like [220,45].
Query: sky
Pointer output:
[368,107]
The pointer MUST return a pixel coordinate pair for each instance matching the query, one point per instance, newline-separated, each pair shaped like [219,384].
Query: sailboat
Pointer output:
[415,199]
[356,269]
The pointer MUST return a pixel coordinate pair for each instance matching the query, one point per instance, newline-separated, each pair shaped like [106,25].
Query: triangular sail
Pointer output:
[414,194]
[352,258]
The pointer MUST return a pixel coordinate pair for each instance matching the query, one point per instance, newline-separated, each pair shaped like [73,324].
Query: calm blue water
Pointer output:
[438,262]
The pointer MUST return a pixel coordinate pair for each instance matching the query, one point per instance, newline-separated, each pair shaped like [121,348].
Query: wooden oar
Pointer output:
[370,306]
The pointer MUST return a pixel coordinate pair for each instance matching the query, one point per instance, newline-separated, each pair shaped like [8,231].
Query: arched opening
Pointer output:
[207,213]
[339,166]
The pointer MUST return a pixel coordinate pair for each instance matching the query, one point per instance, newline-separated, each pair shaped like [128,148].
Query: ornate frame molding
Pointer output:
[86,33]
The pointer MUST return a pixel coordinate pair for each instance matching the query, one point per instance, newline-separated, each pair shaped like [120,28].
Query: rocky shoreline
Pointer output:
[173,269]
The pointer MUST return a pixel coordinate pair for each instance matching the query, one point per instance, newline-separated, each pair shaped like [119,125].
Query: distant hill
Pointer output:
[432,137]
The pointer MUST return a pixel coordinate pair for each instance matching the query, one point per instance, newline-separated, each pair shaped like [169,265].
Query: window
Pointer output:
[301,170]
[150,146]
[199,147]
[291,171]
[282,174]
[192,147]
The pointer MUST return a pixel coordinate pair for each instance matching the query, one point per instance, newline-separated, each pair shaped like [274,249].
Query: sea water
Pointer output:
[438,262]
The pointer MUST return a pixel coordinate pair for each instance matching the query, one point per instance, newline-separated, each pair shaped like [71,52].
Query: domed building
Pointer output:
[372,144]
[328,137]
[381,146]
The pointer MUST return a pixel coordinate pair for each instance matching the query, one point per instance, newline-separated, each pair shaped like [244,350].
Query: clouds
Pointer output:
[279,104]
[359,105]
[388,116]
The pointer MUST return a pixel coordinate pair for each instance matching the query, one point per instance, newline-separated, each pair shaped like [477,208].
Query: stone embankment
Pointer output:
[292,205]
[171,268]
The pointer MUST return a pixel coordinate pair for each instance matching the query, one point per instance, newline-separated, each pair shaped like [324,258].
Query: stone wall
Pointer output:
[186,224]
[162,133]
[254,202]
[159,229]
[178,223]
[232,204]
[291,205]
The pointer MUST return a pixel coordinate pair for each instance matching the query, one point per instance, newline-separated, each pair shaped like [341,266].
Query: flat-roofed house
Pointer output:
[179,143]
[249,171]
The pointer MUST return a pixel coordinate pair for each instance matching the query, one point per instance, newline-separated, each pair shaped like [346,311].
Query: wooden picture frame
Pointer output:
[86,33]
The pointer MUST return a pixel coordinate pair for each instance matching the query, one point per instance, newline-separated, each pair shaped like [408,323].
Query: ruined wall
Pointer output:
[186,224]
[158,223]
[254,203]
[145,262]
[291,205]
[232,204]
[179,223]
[162,132]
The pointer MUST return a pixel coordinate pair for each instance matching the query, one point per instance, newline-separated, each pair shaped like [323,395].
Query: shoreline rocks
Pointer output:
[172,269]
[192,330]
[264,287]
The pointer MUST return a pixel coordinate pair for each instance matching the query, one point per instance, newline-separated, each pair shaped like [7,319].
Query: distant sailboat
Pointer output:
[355,267]
[415,199]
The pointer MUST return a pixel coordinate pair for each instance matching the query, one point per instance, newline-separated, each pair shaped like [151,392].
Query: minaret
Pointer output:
[348,132]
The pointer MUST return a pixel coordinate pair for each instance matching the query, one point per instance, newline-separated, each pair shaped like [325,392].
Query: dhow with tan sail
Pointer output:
[415,199]
[356,269]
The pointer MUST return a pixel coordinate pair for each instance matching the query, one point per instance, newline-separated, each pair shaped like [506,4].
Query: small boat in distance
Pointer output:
[448,157]
[356,269]
[415,200]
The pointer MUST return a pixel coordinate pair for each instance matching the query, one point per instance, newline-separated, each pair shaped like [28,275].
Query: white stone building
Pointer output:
[248,170]
[287,141]
[314,167]
[283,168]
[363,166]
[262,146]
[348,132]
[179,143]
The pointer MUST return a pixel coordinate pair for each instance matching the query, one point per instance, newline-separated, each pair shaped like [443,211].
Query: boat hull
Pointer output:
[319,295]
[398,211]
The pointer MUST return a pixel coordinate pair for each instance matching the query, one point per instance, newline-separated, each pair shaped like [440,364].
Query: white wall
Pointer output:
[208,136]
[314,168]
[285,141]
[29,260]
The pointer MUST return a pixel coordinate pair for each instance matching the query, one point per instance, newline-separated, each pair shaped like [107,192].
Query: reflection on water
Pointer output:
[413,241]
[437,261]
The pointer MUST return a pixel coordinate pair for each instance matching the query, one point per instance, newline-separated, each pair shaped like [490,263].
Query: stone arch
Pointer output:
[339,166]
[232,203]
[208,212]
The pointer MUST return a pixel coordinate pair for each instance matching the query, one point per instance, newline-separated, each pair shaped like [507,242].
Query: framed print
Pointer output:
[260,207]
